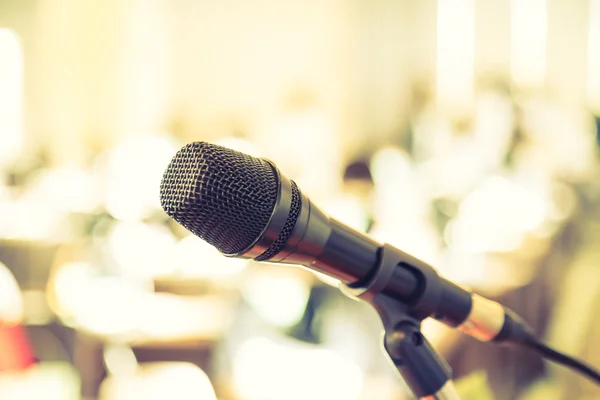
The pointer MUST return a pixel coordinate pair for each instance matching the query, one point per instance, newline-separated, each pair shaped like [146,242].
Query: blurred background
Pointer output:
[464,132]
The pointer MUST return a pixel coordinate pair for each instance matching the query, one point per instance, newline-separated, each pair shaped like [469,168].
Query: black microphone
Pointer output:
[245,207]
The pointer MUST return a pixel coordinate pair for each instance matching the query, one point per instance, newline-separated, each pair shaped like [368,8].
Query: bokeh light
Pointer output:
[52,381]
[280,300]
[266,368]
[496,216]
[177,381]
[142,250]
[133,169]
[67,190]
[193,257]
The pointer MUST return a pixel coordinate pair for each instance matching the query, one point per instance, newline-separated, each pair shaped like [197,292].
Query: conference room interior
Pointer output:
[464,132]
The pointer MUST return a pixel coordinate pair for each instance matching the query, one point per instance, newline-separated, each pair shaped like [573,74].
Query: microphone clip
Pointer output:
[427,374]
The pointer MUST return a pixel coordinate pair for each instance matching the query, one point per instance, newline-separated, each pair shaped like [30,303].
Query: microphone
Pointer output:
[245,207]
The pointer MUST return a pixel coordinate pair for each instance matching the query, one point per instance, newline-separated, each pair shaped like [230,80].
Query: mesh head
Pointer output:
[223,196]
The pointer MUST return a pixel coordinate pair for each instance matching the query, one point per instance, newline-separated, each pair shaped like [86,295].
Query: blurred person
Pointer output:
[353,204]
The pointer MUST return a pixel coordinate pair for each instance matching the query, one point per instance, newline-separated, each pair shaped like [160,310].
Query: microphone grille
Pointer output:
[221,195]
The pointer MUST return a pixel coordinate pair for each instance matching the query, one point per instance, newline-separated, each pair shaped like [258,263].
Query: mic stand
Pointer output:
[427,374]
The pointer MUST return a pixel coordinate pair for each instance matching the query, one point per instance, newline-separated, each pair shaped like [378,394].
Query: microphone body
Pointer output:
[323,244]
[299,232]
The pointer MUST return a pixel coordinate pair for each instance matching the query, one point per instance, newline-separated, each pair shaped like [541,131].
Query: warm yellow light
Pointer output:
[455,43]
[168,317]
[67,288]
[67,190]
[280,300]
[107,307]
[47,380]
[119,360]
[496,216]
[29,218]
[154,381]
[193,257]
[593,64]
[142,250]
[528,42]
[11,301]
[11,94]
[268,369]
[135,169]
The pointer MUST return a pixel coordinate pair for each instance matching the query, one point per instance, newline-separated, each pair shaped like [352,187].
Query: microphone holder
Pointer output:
[427,374]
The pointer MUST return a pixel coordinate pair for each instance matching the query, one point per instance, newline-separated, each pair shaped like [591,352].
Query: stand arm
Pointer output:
[426,373]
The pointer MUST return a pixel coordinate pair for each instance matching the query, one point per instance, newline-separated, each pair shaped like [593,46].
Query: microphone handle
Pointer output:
[326,245]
